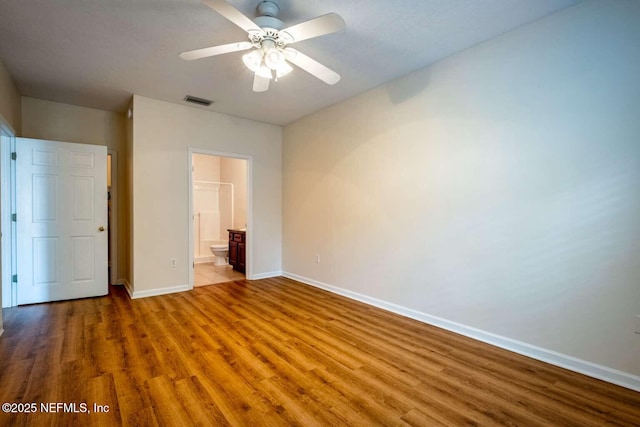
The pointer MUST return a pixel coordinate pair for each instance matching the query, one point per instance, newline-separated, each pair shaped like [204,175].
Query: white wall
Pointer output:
[162,134]
[498,189]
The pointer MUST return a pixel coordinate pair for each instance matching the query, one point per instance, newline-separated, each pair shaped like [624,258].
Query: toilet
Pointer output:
[221,250]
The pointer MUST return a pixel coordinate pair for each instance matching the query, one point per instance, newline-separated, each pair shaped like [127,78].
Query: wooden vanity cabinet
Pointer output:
[237,249]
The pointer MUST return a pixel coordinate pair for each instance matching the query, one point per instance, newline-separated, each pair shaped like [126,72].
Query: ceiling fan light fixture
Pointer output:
[264,72]
[283,69]
[253,60]
[268,54]
[273,58]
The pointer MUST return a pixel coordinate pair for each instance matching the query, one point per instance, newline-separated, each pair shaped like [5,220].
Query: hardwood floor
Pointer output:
[277,352]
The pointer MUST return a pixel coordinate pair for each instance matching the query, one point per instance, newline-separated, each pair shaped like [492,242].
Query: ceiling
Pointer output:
[97,53]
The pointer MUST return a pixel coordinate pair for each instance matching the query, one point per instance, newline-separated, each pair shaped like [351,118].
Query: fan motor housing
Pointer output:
[268,12]
[268,8]
[269,22]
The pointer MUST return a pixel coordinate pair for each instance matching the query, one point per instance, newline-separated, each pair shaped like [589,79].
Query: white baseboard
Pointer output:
[159,291]
[265,275]
[571,363]
[204,259]
[128,287]
[133,294]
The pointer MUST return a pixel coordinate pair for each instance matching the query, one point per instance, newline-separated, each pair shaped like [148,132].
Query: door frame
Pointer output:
[249,235]
[113,230]
[7,288]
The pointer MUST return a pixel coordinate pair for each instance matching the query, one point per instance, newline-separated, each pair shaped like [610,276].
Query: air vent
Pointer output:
[199,101]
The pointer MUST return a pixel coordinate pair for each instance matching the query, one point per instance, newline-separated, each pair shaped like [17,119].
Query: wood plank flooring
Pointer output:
[276,352]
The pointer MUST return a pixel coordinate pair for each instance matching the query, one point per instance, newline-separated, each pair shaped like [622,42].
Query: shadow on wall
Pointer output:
[410,86]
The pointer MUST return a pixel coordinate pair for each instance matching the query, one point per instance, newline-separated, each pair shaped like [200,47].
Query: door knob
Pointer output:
[101,228]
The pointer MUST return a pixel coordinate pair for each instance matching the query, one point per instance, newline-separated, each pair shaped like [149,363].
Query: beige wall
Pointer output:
[9,100]
[496,190]
[162,135]
[69,123]
[235,171]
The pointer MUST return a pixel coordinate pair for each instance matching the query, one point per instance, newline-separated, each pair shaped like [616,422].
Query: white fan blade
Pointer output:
[232,14]
[260,84]
[312,66]
[215,50]
[325,24]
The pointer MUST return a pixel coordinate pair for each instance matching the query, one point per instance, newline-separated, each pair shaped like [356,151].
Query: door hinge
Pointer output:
[14,155]
[14,217]
[14,278]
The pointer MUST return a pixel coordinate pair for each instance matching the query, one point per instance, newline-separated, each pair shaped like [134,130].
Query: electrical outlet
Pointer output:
[317,259]
[173,262]
[637,324]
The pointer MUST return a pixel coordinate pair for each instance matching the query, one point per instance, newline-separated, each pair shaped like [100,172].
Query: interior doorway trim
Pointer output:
[7,289]
[249,235]
[113,241]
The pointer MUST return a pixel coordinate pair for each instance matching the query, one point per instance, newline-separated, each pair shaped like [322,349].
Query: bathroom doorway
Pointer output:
[218,204]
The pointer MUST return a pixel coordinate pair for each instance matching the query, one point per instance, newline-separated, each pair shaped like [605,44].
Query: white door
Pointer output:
[61,208]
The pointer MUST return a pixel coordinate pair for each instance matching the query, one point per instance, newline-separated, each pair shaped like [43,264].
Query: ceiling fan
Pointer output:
[270,55]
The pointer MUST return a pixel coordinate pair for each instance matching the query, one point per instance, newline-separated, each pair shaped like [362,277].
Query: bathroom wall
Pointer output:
[235,171]
[206,168]
[495,192]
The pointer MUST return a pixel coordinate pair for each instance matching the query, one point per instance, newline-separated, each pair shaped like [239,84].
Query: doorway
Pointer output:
[219,217]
